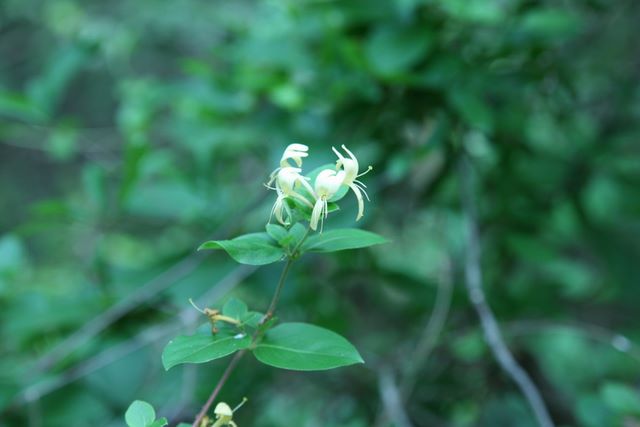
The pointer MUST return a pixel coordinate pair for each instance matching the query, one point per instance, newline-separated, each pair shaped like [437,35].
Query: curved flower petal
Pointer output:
[294,152]
[349,165]
[316,214]
[356,191]
[279,209]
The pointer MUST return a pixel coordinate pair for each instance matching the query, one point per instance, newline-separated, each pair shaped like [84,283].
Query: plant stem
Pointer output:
[492,334]
[276,294]
[238,355]
[283,277]
[216,390]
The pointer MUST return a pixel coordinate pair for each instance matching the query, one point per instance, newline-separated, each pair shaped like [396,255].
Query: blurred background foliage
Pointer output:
[130,132]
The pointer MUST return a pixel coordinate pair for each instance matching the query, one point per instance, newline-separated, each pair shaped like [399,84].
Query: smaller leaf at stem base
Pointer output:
[140,414]
[235,308]
[277,232]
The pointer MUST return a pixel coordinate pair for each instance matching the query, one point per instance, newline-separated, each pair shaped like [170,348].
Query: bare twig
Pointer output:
[492,334]
[391,398]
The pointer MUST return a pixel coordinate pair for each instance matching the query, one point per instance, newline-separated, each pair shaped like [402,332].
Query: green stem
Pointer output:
[276,294]
[283,277]
[236,358]
[216,390]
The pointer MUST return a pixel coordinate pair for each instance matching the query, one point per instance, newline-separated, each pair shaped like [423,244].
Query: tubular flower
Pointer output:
[327,184]
[286,179]
[350,168]
[294,152]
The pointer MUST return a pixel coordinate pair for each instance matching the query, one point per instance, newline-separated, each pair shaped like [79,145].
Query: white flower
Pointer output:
[294,152]
[350,169]
[286,179]
[327,184]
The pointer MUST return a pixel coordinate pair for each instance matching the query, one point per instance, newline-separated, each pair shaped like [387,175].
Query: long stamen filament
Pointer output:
[369,169]
[244,400]
[363,190]
[195,306]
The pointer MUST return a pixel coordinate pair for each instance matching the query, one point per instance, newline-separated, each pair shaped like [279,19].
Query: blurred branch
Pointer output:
[426,343]
[172,408]
[473,279]
[147,336]
[34,414]
[133,300]
[392,399]
[118,310]
[594,332]
[431,333]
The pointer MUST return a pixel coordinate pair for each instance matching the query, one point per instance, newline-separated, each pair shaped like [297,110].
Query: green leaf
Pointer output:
[252,249]
[550,23]
[235,308]
[183,425]
[393,49]
[296,234]
[342,239]
[289,239]
[473,108]
[16,105]
[305,347]
[252,319]
[622,398]
[140,414]
[201,348]
[159,423]
[476,11]
[277,232]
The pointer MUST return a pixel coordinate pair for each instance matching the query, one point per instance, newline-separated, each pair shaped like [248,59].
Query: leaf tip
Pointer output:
[211,244]
[166,363]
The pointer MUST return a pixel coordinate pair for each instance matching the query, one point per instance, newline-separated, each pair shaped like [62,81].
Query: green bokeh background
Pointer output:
[130,132]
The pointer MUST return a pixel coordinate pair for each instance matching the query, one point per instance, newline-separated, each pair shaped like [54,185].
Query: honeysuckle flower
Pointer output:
[350,168]
[286,179]
[327,184]
[294,152]
[224,414]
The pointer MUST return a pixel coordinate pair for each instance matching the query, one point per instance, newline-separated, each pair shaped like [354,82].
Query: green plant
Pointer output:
[235,329]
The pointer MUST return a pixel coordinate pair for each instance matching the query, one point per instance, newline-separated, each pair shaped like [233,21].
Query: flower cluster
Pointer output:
[289,183]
